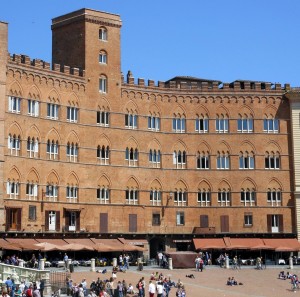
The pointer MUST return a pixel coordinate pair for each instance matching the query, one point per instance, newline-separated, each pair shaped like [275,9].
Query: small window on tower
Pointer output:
[103,34]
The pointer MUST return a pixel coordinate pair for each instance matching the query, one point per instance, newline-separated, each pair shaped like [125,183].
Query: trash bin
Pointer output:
[71,266]
[140,266]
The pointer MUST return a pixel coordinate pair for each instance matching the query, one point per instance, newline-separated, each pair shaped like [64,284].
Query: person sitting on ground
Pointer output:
[229,282]
[179,284]
[130,289]
[233,281]
[281,275]
[288,275]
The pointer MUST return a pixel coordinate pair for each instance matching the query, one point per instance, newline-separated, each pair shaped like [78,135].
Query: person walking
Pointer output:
[151,289]
[66,258]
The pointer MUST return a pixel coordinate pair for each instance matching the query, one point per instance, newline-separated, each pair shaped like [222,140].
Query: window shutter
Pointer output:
[103,222]
[9,103]
[8,142]
[19,219]
[36,146]
[57,223]
[174,158]
[36,112]
[269,223]
[224,223]
[46,220]
[8,187]
[280,218]
[35,190]
[203,221]
[132,223]
[8,219]
[77,221]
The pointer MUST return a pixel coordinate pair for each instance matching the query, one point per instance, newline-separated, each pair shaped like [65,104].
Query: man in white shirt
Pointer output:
[160,289]
[151,289]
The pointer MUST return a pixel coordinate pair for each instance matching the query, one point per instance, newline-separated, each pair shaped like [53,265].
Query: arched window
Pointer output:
[154,158]
[204,197]
[103,195]
[14,144]
[103,57]
[154,122]
[103,154]
[246,160]
[103,34]
[131,120]
[72,114]
[14,104]
[132,196]
[272,160]
[32,147]
[155,197]
[179,159]
[131,156]
[224,197]
[12,189]
[103,117]
[245,124]
[51,192]
[180,198]
[222,123]
[31,191]
[52,149]
[201,124]
[103,84]
[33,108]
[274,197]
[202,160]
[223,160]
[179,123]
[72,152]
[248,197]
[72,193]
[271,125]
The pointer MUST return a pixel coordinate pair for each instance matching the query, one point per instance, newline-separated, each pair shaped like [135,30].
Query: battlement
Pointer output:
[40,64]
[191,83]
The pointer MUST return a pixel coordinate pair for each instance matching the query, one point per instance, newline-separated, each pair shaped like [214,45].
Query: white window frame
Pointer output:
[12,189]
[72,152]
[51,193]
[222,124]
[180,218]
[272,159]
[245,125]
[203,161]
[248,197]
[103,118]
[204,198]
[52,149]
[103,154]
[103,195]
[103,57]
[131,121]
[72,193]
[271,125]
[153,123]
[202,125]
[132,196]
[180,198]
[246,162]
[52,111]
[224,198]
[248,220]
[223,162]
[179,124]
[32,147]
[155,158]
[155,197]
[33,108]
[180,159]
[14,104]
[103,85]
[72,114]
[14,145]
[103,34]
[274,197]
[131,156]
[31,191]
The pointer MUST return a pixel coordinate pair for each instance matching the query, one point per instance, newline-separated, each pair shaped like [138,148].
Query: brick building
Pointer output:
[86,151]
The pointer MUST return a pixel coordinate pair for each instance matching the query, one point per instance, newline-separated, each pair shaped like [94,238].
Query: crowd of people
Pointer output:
[24,289]
[107,287]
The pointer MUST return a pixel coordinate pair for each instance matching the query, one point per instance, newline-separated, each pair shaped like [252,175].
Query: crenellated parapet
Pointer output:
[187,83]
[40,64]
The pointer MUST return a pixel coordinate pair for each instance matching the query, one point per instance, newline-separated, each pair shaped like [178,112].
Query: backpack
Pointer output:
[137,286]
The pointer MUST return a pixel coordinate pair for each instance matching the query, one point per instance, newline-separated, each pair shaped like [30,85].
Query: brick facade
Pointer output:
[242,108]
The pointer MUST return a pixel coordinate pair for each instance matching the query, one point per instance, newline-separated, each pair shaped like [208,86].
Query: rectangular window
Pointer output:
[202,162]
[32,213]
[222,125]
[223,162]
[201,125]
[153,123]
[102,85]
[272,162]
[155,219]
[180,198]
[13,143]
[274,198]
[103,195]
[51,193]
[180,218]
[31,191]
[72,194]
[12,190]
[52,111]
[245,125]
[248,198]
[224,198]
[14,104]
[275,223]
[72,152]
[203,198]
[72,114]
[103,118]
[33,108]
[271,125]
[179,125]
[52,150]
[246,162]
[131,121]
[132,197]
[32,148]
[155,197]
[248,220]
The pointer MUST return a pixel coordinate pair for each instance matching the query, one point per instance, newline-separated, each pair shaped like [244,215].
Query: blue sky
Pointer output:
[222,40]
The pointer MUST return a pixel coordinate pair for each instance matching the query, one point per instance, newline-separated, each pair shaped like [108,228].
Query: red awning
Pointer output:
[283,244]
[243,243]
[209,243]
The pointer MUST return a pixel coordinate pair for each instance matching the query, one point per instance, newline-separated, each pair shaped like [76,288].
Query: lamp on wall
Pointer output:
[169,198]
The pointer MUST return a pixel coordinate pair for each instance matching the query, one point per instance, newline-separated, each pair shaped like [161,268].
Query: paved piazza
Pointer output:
[211,282]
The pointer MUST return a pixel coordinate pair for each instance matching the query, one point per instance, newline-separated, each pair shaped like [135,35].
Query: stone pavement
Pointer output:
[211,282]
